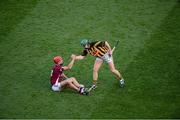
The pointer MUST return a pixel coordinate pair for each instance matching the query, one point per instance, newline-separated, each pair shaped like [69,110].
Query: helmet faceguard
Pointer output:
[85,42]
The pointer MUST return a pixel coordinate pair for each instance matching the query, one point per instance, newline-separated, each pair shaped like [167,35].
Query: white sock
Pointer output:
[121,79]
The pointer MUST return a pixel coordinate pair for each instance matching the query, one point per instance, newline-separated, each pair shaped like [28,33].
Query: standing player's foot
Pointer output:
[94,87]
[121,83]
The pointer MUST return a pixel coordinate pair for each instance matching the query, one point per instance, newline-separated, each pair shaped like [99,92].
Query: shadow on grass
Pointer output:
[13,12]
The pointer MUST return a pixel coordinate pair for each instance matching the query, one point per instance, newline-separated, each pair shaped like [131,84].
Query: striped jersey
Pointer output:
[97,49]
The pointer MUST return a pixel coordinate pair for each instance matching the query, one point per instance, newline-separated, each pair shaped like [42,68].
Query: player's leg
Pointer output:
[113,70]
[73,84]
[116,72]
[97,65]
[68,83]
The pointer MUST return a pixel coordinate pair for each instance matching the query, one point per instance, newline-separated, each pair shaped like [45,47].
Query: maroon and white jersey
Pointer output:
[56,74]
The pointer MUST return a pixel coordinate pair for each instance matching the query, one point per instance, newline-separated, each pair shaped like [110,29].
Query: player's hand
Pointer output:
[73,56]
[110,52]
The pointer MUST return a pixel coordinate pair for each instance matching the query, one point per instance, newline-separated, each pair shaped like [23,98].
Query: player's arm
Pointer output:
[109,47]
[107,44]
[64,76]
[82,56]
[70,65]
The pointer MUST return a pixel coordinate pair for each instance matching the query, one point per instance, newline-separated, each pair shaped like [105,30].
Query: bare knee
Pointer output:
[113,70]
[95,70]
[70,80]
[73,78]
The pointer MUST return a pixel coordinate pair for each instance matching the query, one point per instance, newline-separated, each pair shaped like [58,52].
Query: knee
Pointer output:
[73,78]
[95,70]
[70,80]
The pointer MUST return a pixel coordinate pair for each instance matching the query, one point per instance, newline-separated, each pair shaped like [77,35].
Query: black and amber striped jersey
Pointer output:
[97,49]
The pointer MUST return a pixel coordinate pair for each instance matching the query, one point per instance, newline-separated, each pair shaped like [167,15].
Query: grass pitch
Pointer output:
[32,32]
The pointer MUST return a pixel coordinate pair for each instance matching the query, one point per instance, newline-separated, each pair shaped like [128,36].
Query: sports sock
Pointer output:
[94,82]
[122,81]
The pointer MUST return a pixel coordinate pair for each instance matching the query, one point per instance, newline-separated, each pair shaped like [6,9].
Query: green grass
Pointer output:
[32,32]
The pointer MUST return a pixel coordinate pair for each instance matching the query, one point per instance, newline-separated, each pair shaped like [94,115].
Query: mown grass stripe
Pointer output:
[152,84]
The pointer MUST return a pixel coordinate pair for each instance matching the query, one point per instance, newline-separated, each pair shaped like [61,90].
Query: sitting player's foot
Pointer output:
[121,83]
[86,92]
[83,91]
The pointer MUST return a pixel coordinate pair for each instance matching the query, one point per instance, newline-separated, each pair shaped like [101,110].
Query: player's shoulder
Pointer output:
[99,43]
[95,43]
[56,67]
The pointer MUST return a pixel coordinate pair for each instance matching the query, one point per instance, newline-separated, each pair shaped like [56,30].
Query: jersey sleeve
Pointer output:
[84,53]
[99,43]
[62,69]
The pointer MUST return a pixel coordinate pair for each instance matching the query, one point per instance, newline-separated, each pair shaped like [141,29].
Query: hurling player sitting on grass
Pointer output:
[59,80]
[103,53]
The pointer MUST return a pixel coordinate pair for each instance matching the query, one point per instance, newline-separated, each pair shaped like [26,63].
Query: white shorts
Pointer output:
[105,58]
[56,87]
